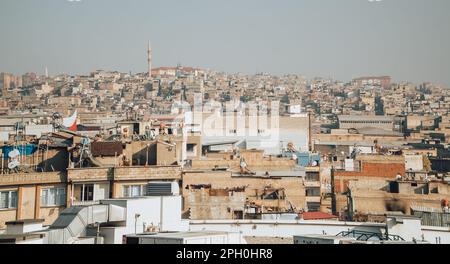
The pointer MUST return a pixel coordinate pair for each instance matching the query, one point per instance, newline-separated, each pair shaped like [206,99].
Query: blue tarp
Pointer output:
[25,150]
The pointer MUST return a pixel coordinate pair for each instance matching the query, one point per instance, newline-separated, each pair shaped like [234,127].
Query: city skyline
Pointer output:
[403,39]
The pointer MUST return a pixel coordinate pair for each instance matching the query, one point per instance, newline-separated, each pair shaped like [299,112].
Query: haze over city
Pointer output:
[406,39]
[208,122]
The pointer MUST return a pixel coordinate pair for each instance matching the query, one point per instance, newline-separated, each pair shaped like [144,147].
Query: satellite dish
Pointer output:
[314,164]
[13,164]
[243,164]
[294,157]
[14,153]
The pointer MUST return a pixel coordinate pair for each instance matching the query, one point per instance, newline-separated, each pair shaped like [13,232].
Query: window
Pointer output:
[312,176]
[53,197]
[313,192]
[313,207]
[190,148]
[87,192]
[8,200]
[133,190]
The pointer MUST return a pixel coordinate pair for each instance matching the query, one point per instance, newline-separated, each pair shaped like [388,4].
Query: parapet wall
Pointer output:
[125,173]
[32,178]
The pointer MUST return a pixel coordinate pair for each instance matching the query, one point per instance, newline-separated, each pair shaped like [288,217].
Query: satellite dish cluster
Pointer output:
[14,156]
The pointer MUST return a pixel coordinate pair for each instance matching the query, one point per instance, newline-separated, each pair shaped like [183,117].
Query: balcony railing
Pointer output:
[84,203]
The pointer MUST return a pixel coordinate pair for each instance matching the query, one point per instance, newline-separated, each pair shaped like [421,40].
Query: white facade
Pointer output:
[413,162]
[406,228]
[268,133]
[161,212]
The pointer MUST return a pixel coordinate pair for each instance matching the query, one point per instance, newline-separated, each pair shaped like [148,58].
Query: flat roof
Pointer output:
[272,174]
[364,117]
[263,240]
[220,143]
[380,158]
[25,221]
[177,235]
[20,237]
[330,237]
[392,144]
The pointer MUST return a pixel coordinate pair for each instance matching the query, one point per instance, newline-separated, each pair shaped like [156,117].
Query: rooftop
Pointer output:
[365,117]
[176,235]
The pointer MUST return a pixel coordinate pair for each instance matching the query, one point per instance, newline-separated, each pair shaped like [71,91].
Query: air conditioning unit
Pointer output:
[163,189]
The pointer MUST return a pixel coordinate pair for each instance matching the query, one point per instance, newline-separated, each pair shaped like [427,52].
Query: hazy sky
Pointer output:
[407,39]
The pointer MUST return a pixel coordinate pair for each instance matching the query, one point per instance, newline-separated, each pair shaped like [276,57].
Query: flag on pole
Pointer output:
[71,122]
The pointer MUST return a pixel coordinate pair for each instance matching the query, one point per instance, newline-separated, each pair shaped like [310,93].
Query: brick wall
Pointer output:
[369,171]
[90,174]
[381,170]
[294,189]
[148,173]
[204,206]
[32,178]
[125,173]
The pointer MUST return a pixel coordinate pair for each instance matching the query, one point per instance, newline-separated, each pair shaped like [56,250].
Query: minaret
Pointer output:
[46,72]
[149,59]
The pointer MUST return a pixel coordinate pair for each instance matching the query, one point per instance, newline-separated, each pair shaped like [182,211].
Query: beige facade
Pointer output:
[45,195]
[292,187]
[89,185]
[214,204]
[28,190]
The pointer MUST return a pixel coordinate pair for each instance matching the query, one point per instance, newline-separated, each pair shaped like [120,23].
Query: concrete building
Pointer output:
[198,238]
[382,81]
[376,167]
[258,132]
[32,196]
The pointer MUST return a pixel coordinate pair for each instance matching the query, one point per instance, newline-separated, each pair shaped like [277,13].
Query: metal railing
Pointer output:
[366,236]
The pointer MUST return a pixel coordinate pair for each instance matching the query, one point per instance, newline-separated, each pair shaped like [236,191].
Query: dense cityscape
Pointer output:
[190,155]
